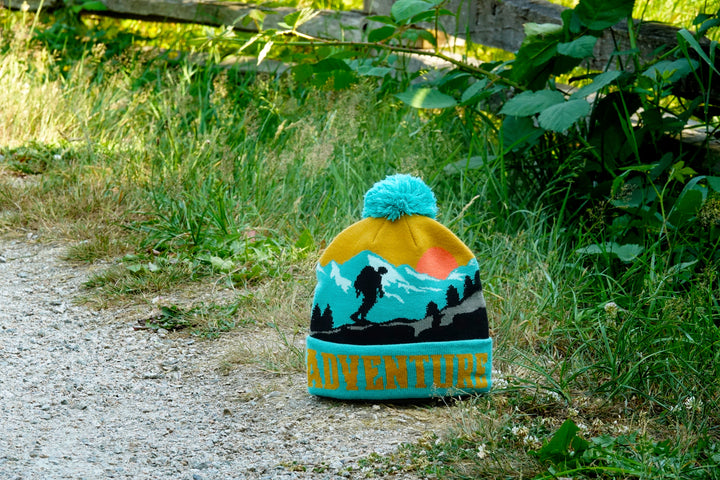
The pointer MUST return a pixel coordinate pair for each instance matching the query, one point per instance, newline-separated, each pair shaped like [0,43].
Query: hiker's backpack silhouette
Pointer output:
[368,284]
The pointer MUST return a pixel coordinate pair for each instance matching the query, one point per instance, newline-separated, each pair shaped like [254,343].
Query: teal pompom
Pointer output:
[399,195]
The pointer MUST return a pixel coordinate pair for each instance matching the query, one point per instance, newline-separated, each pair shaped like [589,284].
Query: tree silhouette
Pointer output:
[470,287]
[327,319]
[452,297]
[316,319]
[320,322]
[434,312]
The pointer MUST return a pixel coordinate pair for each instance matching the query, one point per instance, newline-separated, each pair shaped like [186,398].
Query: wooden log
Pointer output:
[495,23]
[341,25]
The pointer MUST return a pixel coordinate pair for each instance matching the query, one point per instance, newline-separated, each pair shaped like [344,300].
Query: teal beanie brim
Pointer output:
[397,371]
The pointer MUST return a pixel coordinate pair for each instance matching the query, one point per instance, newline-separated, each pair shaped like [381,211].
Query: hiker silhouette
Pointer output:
[368,284]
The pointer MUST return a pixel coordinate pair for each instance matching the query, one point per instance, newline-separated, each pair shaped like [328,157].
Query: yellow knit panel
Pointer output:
[401,242]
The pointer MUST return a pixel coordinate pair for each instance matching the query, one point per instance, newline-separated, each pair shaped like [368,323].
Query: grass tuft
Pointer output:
[205,193]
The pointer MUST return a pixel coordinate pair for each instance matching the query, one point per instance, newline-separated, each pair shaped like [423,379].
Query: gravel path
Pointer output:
[84,395]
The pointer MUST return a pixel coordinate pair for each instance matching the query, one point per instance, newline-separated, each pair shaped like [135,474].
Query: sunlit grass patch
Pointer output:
[203,194]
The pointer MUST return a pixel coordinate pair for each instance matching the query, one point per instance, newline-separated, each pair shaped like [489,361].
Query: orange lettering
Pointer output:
[349,365]
[396,372]
[419,360]
[438,365]
[313,372]
[370,364]
[465,369]
[332,382]
[481,377]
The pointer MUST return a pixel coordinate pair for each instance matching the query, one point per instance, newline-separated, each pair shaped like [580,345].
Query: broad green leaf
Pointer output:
[688,204]
[428,37]
[530,103]
[627,253]
[672,71]
[560,117]
[700,18]
[601,14]
[265,50]
[370,71]
[599,82]
[421,17]
[252,40]
[426,98]
[254,15]
[538,53]
[531,65]
[305,240]
[135,267]
[473,90]
[541,29]
[519,132]
[679,171]
[404,10]
[579,48]
[688,37]
[293,20]
[714,183]
[416,34]
[708,25]
[564,444]
[329,65]
[382,19]
[380,34]
[302,72]
[221,264]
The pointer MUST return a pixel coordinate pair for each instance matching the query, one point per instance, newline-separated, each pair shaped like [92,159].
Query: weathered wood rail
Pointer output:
[495,23]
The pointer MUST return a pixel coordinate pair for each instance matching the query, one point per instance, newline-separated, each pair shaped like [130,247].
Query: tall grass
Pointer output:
[176,171]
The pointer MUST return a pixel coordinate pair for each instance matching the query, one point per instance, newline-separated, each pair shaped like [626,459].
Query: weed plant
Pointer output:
[178,171]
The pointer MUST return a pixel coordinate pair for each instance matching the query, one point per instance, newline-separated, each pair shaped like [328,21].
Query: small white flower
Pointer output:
[481,451]
[554,395]
[612,309]
[24,7]
[532,441]
[520,431]
[499,383]
[691,403]
[57,157]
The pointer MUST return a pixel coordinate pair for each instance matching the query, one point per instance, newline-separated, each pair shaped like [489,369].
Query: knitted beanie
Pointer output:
[398,311]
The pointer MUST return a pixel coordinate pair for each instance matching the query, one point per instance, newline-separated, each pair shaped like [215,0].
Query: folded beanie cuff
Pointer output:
[398,371]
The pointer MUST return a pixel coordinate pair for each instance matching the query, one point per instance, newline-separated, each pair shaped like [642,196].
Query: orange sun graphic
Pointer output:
[437,262]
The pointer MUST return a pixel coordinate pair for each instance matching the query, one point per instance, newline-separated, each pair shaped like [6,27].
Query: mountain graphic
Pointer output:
[406,307]
[465,321]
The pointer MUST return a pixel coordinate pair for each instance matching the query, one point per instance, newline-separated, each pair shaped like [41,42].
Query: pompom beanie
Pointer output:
[398,310]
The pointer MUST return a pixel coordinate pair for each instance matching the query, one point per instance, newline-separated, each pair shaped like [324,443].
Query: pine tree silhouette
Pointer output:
[327,319]
[316,319]
[434,312]
[470,287]
[452,297]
